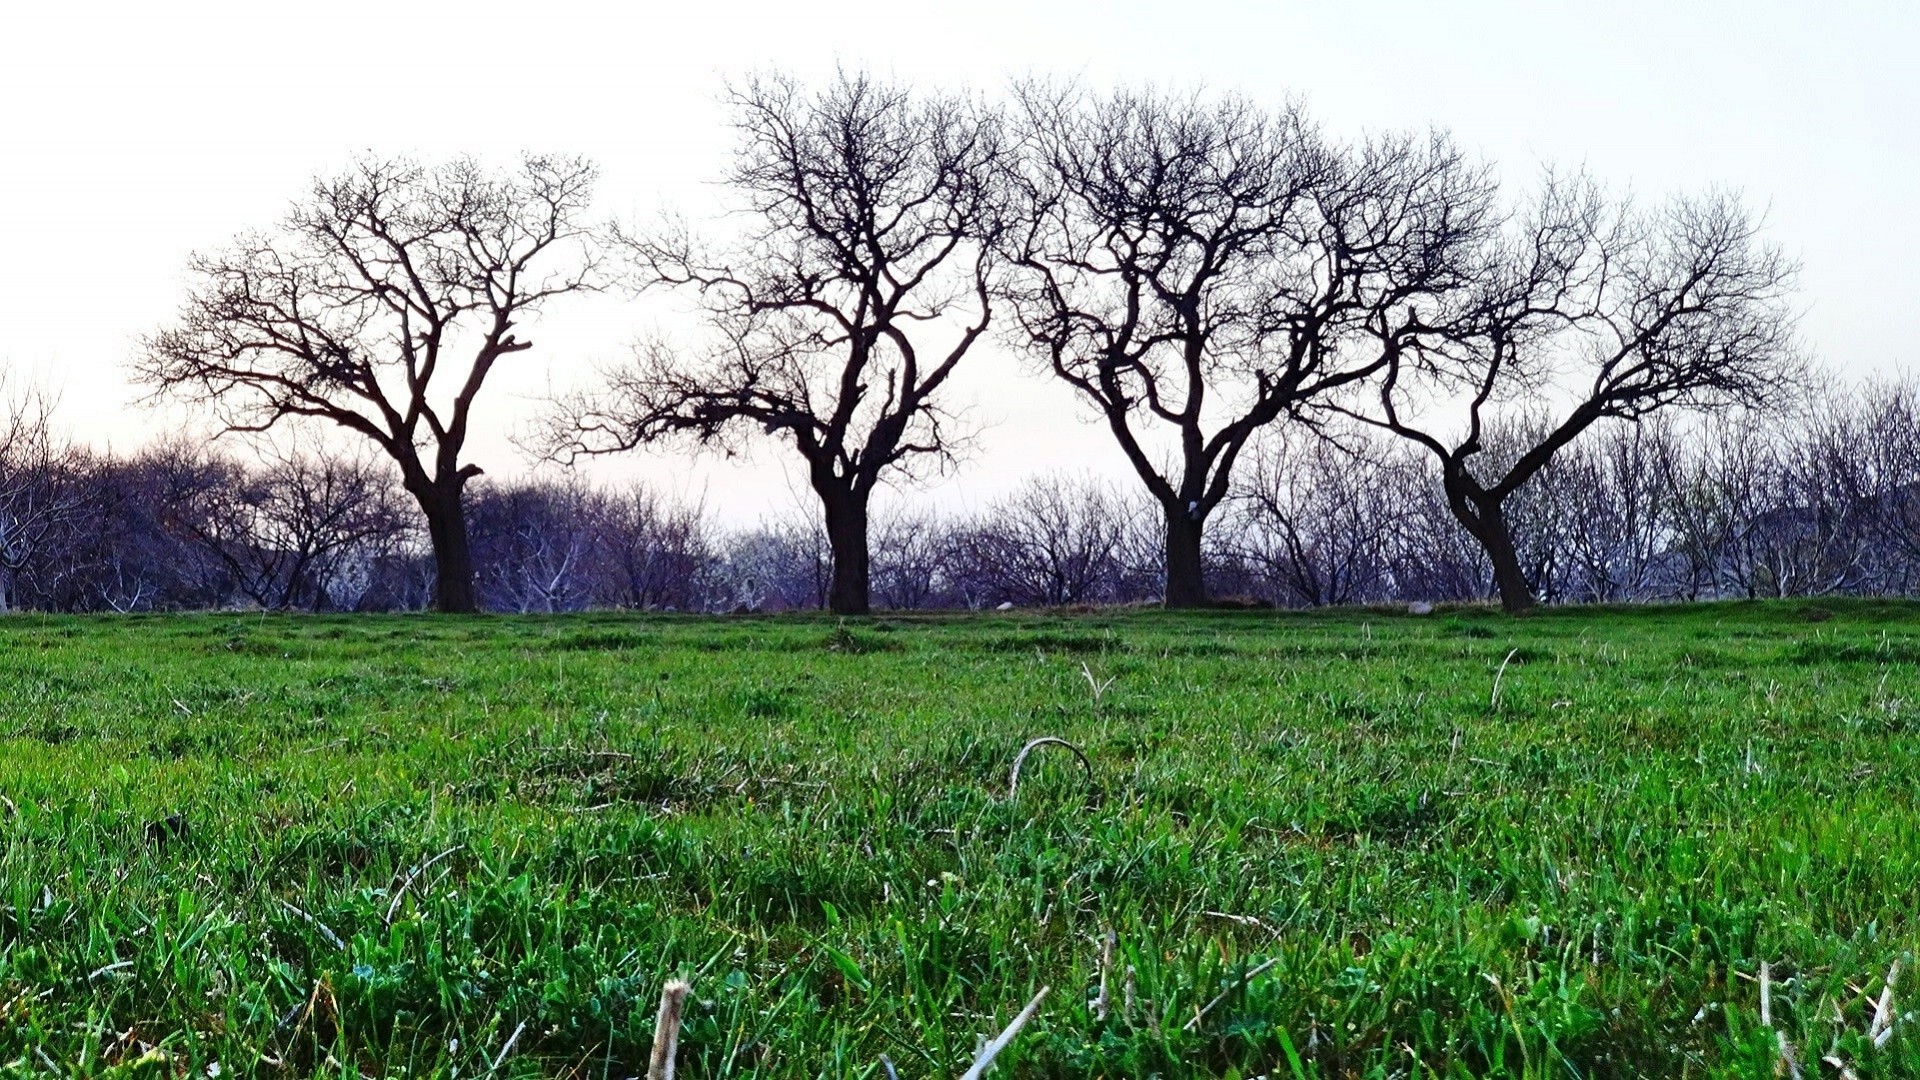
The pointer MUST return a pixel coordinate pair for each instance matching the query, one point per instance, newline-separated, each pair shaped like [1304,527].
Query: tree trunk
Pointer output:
[452,553]
[1480,514]
[1516,595]
[850,591]
[1186,577]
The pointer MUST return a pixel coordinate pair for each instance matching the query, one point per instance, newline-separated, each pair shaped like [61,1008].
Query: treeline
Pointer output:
[1202,271]
[1659,510]
[1219,281]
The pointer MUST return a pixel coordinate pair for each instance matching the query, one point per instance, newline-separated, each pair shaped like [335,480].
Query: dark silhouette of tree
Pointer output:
[1197,269]
[381,304]
[860,282]
[1586,310]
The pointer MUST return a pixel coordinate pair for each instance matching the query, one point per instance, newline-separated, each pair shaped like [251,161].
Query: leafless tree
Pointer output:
[654,552]
[1199,268]
[1618,529]
[1886,439]
[1432,558]
[43,491]
[1605,311]
[534,545]
[286,527]
[783,564]
[381,304]
[913,559]
[838,318]
[1054,540]
[1314,518]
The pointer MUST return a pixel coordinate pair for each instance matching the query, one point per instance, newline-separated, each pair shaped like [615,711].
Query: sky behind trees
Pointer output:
[134,136]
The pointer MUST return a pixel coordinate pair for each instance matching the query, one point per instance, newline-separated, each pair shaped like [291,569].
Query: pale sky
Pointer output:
[131,135]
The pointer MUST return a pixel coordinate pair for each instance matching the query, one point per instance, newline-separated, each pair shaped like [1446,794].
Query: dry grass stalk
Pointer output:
[666,1030]
[512,1039]
[1494,701]
[1101,1003]
[1020,759]
[992,1049]
[1882,1027]
[1789,1063]
[413,876]
[1222,996]
[325,931]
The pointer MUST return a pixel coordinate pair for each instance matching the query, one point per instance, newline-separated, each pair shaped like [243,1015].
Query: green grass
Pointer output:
[810,820]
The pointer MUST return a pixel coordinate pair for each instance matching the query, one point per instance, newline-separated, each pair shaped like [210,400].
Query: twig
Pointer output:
[332,938]
[1224,994]
[1243,920]
[1494,702]
[507,1049]
[394,908]
[666,1030]
[109,969]
[1766,995]
[1013,782]
[992,1049]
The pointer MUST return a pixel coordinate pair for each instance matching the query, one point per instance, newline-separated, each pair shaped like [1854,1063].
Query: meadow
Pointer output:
[1360,843]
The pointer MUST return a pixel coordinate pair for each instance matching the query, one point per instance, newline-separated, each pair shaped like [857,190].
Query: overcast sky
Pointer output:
[131,135]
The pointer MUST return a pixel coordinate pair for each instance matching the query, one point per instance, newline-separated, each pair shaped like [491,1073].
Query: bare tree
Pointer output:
[1197,269]
[286,527]
[1315,518]
[784,564]
[1604,311]
[1619,528]
[1887,438]
[381,304]
[534,545]
[1431,557]
[654,553]
[1054,540]
[43,491]
[859,285]
[913,555]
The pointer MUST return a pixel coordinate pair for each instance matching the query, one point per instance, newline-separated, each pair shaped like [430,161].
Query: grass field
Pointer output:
[1324,845]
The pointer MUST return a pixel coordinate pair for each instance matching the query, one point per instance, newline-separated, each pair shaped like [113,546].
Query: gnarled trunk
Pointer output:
[1516,593]
[1186,575]
[846,516]
[445,508]
[1486,521]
